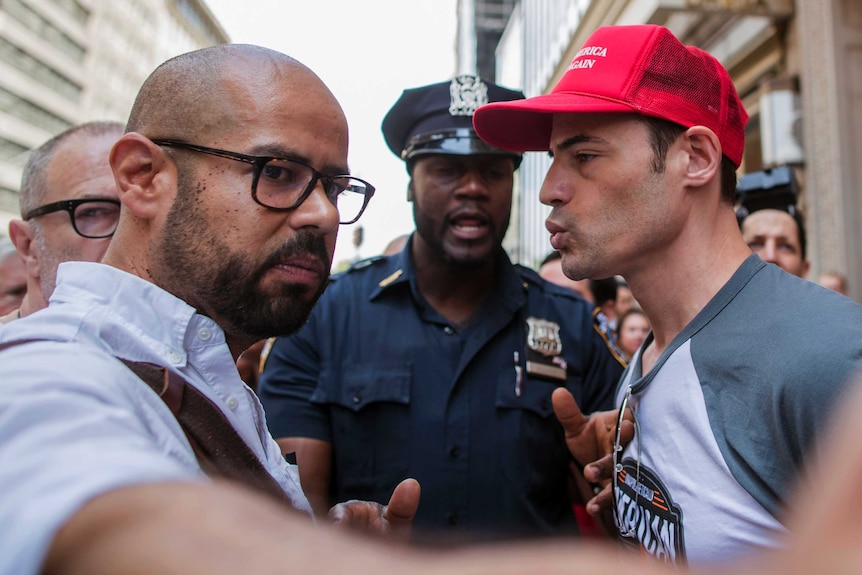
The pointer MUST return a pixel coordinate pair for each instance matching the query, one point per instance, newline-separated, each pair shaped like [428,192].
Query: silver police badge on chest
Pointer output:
[467,93]
[544,336]
[544,349]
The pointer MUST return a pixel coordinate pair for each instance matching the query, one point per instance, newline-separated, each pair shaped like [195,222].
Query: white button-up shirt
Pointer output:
[75,422]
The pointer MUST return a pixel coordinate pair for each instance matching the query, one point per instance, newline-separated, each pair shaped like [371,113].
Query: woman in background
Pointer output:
[632,329]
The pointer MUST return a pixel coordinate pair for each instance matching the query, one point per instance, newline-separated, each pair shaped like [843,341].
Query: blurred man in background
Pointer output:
[69,206]
[551,269]
[772,224]
[13,280]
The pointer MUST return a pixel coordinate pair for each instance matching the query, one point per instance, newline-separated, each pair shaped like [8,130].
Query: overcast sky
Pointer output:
[366,53]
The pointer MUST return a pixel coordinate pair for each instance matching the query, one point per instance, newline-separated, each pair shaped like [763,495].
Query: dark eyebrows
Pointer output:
[579,139]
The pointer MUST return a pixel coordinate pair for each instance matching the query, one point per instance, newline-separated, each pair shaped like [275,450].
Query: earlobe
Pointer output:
[704,155]
[142,171]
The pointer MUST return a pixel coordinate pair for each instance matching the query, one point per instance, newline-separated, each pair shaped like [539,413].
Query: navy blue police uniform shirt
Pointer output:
[399,392]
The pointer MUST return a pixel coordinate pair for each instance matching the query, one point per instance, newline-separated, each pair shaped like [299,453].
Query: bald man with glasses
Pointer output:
[69,207]
[120,403]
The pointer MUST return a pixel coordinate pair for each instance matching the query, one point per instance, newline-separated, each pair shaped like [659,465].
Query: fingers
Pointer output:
[603,501]
[627,429]
[600,471]
[402,508]
[344,513]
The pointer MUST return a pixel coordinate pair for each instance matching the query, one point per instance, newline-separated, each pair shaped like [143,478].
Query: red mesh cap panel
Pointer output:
[688,86]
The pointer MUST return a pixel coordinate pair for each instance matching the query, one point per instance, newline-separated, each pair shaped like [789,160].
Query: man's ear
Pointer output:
[145,175]
[23,236]
[704,155]
[410,190]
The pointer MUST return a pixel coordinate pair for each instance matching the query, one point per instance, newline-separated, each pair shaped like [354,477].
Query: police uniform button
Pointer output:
[448,330]
[357,398]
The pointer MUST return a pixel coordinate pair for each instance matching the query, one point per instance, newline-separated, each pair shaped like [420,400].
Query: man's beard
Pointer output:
[194,264]
[432,234]
[235,293]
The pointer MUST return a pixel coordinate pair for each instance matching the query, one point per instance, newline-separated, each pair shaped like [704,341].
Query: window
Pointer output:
[40,72]
[74,9]
[44,29]
[17,106]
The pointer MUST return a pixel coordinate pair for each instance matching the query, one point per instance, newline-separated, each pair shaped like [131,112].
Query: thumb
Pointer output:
[567,411]
[402,507]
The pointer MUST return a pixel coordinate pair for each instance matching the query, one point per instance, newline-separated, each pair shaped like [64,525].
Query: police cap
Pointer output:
[438,119]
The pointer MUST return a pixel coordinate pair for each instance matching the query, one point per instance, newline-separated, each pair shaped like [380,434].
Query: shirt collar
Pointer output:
[399,270]
[124,305]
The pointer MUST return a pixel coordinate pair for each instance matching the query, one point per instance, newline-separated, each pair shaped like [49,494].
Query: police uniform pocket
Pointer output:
[359,386]
[518,390]
[369,409]
[531,453]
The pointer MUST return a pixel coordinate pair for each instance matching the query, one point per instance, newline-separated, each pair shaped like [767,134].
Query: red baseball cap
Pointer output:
[640,69]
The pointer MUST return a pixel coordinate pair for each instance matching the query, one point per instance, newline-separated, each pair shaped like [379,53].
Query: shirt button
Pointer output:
[232,402]
[205,333]
[175,357]
[448,330]
[455,452]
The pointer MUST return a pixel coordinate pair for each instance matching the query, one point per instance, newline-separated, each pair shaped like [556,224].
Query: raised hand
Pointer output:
[394,520]
[590,439]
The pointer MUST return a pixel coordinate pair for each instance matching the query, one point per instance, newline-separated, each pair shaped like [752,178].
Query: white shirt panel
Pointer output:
[75,422]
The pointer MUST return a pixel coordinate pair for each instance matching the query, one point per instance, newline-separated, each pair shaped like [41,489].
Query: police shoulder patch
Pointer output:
[355,266]
[364,263]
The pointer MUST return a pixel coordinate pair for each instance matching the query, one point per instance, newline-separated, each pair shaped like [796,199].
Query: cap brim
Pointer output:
[458,142]
[525,125]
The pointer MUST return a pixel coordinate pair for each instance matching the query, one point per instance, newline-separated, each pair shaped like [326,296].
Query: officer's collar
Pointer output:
[401,270]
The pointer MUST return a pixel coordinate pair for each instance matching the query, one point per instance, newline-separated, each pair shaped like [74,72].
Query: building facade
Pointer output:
[63,62]
[796,64]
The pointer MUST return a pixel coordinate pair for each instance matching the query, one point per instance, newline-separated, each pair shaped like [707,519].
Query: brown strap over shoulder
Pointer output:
[218,447]
[220,450]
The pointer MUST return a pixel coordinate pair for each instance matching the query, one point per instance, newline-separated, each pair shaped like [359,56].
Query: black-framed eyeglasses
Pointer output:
[282,184]
[91,218]
[620,476]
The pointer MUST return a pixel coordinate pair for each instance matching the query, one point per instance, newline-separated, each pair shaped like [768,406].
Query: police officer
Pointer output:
[438,362]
